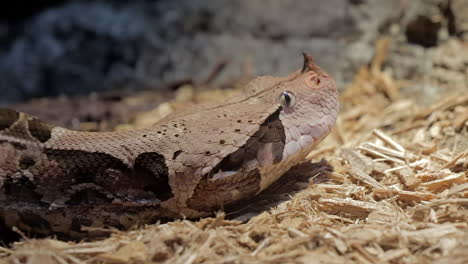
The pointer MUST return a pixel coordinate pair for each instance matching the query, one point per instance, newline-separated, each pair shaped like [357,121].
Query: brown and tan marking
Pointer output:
[55,180]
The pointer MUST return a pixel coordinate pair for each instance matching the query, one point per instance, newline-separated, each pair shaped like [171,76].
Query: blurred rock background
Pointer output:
[50,48]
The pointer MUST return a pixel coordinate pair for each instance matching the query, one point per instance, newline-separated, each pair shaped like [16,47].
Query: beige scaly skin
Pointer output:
[55,181]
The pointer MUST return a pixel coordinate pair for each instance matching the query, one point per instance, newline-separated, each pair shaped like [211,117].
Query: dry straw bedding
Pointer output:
[398,193]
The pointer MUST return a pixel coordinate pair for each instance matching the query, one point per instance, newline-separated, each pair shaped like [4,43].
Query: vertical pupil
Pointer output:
[287,98]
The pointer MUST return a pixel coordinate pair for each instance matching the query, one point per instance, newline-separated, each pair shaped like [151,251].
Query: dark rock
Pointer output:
[86,46]
[77,48]
[83,46]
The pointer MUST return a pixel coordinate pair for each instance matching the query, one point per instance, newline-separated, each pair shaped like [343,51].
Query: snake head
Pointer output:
[308,108]
[288,117]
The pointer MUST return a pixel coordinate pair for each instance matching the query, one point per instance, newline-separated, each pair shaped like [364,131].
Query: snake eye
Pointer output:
[287,99]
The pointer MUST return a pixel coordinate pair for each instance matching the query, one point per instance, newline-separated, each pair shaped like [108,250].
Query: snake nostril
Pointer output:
[313,81]
[316,80]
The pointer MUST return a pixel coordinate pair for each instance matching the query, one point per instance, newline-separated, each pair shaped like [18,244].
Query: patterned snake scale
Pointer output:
[56,181]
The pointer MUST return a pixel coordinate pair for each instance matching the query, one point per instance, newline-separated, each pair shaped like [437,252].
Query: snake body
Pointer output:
[56,181]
